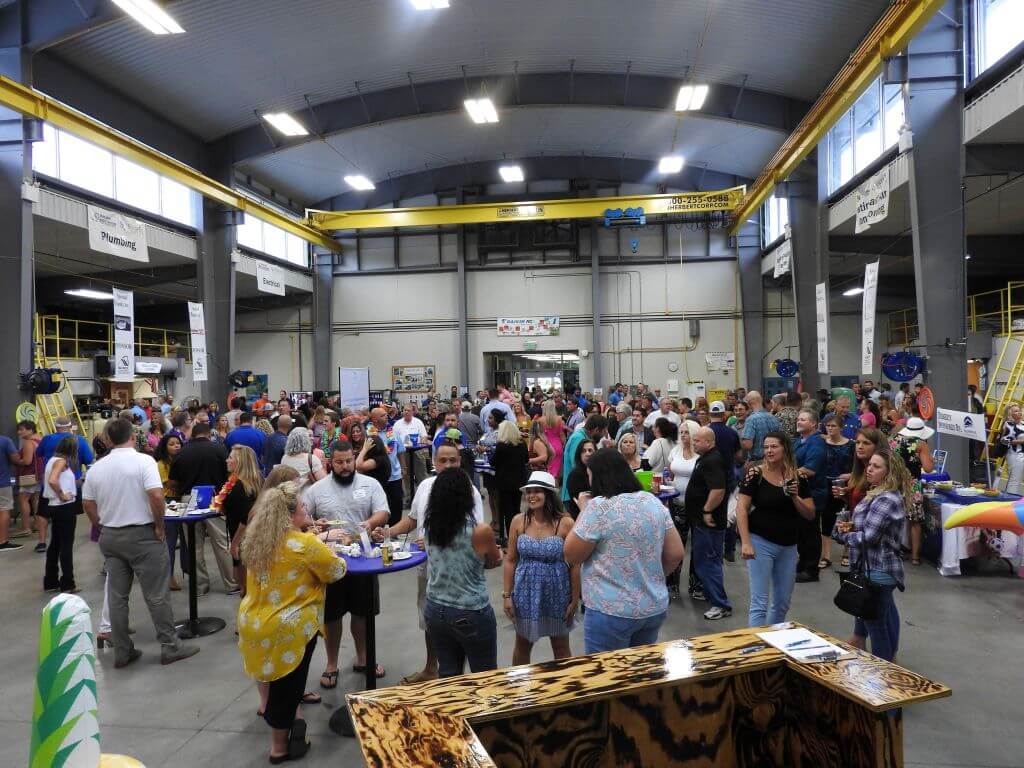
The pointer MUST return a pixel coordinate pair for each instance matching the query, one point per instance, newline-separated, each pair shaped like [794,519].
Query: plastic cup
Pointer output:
[414,439]
[656,484]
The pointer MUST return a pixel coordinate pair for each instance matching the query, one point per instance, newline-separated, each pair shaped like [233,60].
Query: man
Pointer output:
[181,426]
[204,462]
[623,414]
[167,405]
[730,401]
[236,404]
[974,404]
[615,395]
[360,502]
[447,456]
[123,495]
[855,386]
[139,411]
[727,443]
[664,412]
[261,403]
[685,406]
[284,408]
[758,424]
[635,424]
[248,435]
[870,392]
[810,462]
[274,444]
[788,412]
[494,404]
[904,391]
[62,428]
[414,463]
[707,505]
[469,425]
[451,422]
[850,423]
[10,456]
[741,394]
[395,448]
[573,414]
[594,428]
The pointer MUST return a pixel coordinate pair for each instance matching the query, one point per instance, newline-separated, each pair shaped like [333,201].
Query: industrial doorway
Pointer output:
[523,370]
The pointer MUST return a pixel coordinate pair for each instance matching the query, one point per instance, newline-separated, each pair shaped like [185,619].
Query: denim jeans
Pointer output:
[602,632]
[459,635]
[706,555]
[773,568]
[884,632]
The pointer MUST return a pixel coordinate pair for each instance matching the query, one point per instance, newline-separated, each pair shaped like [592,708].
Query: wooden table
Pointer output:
[695,702]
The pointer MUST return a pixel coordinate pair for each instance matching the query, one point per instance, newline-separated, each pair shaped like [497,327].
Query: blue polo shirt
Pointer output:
[395,447]
[7,448]
[851,425]
[810,453]
[248,435]
[49,444]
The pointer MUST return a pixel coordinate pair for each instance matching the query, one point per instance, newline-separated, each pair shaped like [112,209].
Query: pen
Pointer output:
[752,649]
[800,642]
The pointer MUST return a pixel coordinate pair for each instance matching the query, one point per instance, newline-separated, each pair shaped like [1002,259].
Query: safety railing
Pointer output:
[64,338]
[1000,311]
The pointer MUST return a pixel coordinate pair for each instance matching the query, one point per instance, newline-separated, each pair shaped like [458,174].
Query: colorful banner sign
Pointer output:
[545,325]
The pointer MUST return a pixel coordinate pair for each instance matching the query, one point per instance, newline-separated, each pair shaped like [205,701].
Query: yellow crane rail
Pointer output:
[32,103]
[892,33]
[535,210]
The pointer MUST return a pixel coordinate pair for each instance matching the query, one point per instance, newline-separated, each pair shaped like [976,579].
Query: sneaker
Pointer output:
[698,594]
[715,612]
[41,548]
[169,657]
[806,576]
[673,593]
[9,546]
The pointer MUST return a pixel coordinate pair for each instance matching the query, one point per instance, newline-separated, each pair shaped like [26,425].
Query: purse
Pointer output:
[857,596]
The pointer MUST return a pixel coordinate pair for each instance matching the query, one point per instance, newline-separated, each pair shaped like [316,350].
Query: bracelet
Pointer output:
[506,595]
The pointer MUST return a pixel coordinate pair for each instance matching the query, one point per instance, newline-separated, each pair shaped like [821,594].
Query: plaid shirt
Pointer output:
[877,524]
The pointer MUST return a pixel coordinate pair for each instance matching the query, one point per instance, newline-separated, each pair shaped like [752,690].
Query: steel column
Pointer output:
[323,319]
[460,288]
[804,208]
[748,255]
[935,104]
[595,299]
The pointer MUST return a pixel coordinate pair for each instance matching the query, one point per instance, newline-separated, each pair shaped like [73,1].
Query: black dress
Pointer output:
[510,464]
[236,507]
[578,482]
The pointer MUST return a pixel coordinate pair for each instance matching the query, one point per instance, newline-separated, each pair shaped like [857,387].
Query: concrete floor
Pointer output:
[966,632]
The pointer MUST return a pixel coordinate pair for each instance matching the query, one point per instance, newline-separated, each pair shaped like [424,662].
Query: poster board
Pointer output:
[413,378]
[354,387]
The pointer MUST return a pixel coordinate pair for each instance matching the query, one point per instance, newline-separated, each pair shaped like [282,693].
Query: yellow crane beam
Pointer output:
[539,210]
[894,30]
[32,103]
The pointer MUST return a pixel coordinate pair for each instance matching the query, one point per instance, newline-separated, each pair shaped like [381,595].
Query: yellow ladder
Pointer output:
[1005,385]
[61,402]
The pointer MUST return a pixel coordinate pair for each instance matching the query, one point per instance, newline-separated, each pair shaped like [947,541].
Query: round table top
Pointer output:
[419,446]
[668,495]
[193,517]
[373,565]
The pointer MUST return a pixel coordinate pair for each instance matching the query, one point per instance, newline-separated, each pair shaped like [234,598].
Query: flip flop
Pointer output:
[362,670]
[331,678]
[824,563]
[311,698]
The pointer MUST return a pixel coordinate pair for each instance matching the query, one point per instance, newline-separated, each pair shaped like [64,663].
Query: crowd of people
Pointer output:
[572,524]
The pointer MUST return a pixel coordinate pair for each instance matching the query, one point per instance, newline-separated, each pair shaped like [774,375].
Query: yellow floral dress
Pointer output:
[284,609]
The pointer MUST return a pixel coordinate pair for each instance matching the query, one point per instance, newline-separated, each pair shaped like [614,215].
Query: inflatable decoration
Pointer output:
[994,515]
[786,368]
[902,366]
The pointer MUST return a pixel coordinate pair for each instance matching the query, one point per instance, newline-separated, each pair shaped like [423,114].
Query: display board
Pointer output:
[412,378]
[354,387]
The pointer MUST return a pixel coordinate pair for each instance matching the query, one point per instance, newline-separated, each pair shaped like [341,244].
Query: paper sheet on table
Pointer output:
[810,646]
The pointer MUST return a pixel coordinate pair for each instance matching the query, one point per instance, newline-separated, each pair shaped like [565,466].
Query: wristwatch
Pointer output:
[506,595]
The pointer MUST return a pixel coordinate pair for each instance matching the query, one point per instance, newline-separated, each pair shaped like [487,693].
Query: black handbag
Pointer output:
[857,596]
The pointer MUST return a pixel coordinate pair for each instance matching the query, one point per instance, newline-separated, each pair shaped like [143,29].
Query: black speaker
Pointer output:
[103,366]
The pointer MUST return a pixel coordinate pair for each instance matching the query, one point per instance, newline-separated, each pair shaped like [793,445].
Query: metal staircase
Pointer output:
[60,403]
[1006,385]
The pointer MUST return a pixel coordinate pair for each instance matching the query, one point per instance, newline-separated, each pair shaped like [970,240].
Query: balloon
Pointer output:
[995,515]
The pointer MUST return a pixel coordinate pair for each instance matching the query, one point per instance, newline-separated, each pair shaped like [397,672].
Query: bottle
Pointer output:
[386,551]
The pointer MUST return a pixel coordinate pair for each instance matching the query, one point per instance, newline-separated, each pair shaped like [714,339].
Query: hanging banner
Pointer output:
[269,278]
[783,257]
[124,335]
[867,339]
[116,234]
[546,325]
[821,313]
[197,331]
[961,423]
[872,201]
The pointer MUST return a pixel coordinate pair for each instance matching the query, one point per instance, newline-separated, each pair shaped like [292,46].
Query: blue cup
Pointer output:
[414,439]
[204,495]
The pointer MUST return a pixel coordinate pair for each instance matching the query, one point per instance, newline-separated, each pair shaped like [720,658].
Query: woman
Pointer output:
[1012,437]
[555,432]
[542,592]
[659,452]
[166,454]
[772,499]
[865,444]
[264,426]
[220,429]
[873,536]
[372,459]
[299,455]
[235,501]
[279,617]
[682,461]
[458,614]
[356,435]
[738,420]
[630,451]
[622,524]
[578,482]
[157,427]
[61,493]
[523,421]
[510,462]
[911,445]
[869,413]
[29,473]
[317,425]
[838,464]
[887,415]
[539,448]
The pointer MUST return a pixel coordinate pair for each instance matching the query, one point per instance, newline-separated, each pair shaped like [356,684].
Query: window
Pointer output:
[998,29]
[894,115]
[258,235]
[776,217]
[85,165]
[865,132]
[867,129]
[176,201]
[840,146]
[136,185]
[44,153]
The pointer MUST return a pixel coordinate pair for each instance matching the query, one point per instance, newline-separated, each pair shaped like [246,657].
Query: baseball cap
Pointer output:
[717,406]
[453,434]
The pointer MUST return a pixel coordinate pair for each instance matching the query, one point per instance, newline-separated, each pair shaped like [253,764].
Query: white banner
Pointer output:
[143,367]
[269,278]
[821,313]
[116,234]
[960,423]
[354,387]
[197,332]
[124,335]
[546,325]
[720,361]
[872,201]
[783,257]
[867,339]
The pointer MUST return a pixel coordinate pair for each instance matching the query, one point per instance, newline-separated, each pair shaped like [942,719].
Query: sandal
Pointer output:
[361,669]
[331,678]
[845,562]
[418,677]
[824,563]
[915,561]
[311,698]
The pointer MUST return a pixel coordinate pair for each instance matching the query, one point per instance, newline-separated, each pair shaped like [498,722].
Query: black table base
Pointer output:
[341,721]
[194,625]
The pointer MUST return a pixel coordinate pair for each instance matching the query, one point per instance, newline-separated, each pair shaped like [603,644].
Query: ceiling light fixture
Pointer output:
[151,16]
[89,293]
[691,97]
[286,124]
[481,110]
[853,291]
[429,5]
[511,173]
[360,182]
[671,164]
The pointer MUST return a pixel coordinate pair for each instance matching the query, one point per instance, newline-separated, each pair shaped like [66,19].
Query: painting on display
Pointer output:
[412,378]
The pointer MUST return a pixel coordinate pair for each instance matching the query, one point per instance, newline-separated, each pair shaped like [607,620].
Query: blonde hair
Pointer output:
[247,469]
[282,473]
[1008,409]
[549,414]
[691,427]
[270,520]
[897,479]
[508,432]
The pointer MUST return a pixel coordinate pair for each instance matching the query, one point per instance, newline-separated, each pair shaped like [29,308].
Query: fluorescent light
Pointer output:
[511,173]
[481,110]
[89,293]
[151,16]
[691,97]
[286,124]
[671,164]
[429,5]
[853,291]
[360,182]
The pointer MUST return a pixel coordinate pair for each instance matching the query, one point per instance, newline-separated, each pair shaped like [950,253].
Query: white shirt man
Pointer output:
[356,502]
[408,425]
[664,412]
